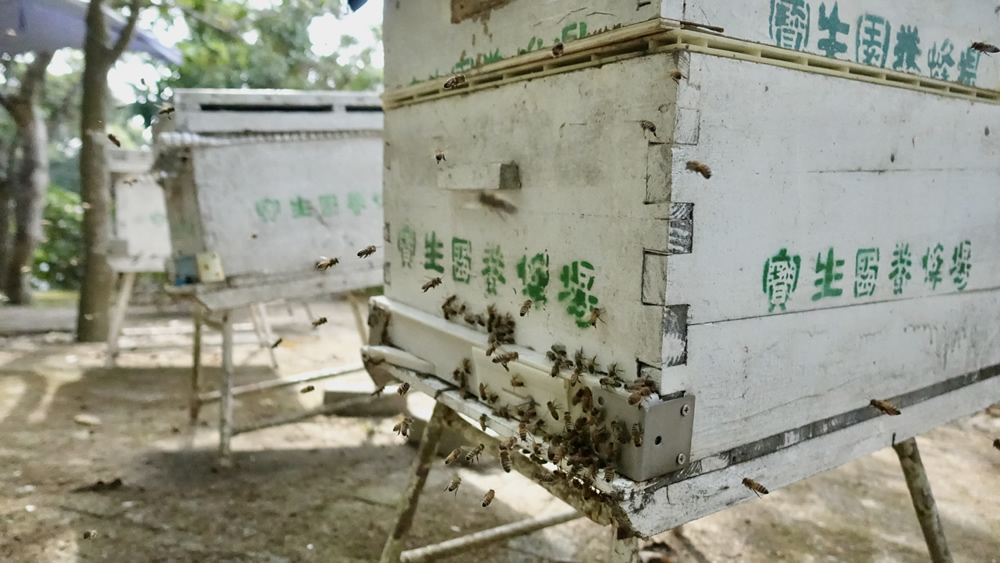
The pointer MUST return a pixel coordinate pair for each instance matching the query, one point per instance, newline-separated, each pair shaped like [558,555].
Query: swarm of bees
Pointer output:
[884,407]
[986,48]
[754,486]
[700,167]
[454,82]
[325,263]
[366,251]
[431,284]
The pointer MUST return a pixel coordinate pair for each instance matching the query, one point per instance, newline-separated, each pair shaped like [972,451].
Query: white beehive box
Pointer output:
[141,241]
[844,249]
[261,183]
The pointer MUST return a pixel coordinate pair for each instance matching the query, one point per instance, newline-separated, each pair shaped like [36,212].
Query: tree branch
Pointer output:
[126,36]
[34,77]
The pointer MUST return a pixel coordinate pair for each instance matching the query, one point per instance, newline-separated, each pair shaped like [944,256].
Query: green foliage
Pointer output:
[59,257]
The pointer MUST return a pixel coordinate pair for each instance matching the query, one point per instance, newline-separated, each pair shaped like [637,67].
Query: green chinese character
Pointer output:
[872,44]
[830,275]
[907,49]
[788,24]
[577,280]
[832,24]
[865,272]
[781,277]
[432,253]
[268,209]
[968,67]
[406,241]
[961,260]
[355,202]
[461,260]
[900,272]
[938,61]
[932,262]
[493,272]
[328,206]
[534,274]
[493,57]
[301,207]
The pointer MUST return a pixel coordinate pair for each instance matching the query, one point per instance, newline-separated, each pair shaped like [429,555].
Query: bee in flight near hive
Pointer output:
[648,126]
[319,321]
[497,203]
[90,534]
[522,431]
[996,443]
[884,407]
[985,48]
[431,284]
[307,389]
[754,486]
[277,343]
[325,263]
[167,110]
[525,307]
[488,498]
[558,49]
[677,76]
[130,181]
[403,388]
[115,140]
[402,427]
[453,486]
[366,251]
[439,156]
[505,460]
[453,456]
[474,453]
[454,82]
[700,167]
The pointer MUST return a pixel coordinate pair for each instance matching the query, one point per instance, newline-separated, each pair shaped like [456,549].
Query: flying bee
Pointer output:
[277,342]
[497,203]
[482,421]
[130,181]
[609,383]
[402,427]
[454,82]
[366,251]
[522,431]
[699,167]
[474,453]
[677,76]
[558,49]
[403,388]
[325,262]
[307,389]
[488,498]
[525,307]
[507,443]
[504,359]
[884,407]
[115,140]
[492,348]
[319,321]
[439,156]
[505,460]
[637,435]
[996,443]
[90,534]
[431,284]
[595,315]
[453,486]
[754,486]
[553,409]
[453,456]
[985,48]
[515,381]
[648,126]
[167,110]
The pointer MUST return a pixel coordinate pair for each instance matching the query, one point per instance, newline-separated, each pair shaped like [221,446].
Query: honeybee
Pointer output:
[431,284]
[613,370]
[130,181]
[307,389]
[488,498]
[535,426]
[585,397]
[453,456]
[504,359]
[556,368]
[505,460]
[609,383]
[325,263]
[522,431]
[525,307]
[492,348]
[648,126]
[403,388]
[553,409]
[447,308]
[558,49]
[277,342]
[493,398]
[754,486]
[482,421]
[482,391]
[90,534]
[699,167]
[453,486]
[403,426]
[516,382]
[996,443]
[556,454]
[677,76]
[637,435]
[595,315]
[507,443]
[474,453]
[985,47]
[567,421]
[591,365]
[497,203]
[503,411]
[578,358]
[454,82]
[366,251]
[167,110]
[439,157]
[115,140]
[574,378]
[884,407]
[559,350]
[319,321]
[252,236]
[620,433]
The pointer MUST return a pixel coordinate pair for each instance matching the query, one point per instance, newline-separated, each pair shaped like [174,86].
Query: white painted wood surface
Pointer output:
[140,213]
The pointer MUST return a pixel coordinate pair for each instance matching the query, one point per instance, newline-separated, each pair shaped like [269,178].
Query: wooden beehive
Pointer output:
[793,237]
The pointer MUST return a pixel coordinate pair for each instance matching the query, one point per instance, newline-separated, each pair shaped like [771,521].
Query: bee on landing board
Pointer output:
[553,409]
[431,284]
[677,76]
[454,82]
[699,167]
[515,381]
[504,359]
[505,460]
[488,498]
[525,307]
[884,407]
[482,421]
[985,48]
[754,486]
[558,49]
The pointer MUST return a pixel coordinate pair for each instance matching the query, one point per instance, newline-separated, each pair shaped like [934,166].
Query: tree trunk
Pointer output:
[31,184]
[5,209]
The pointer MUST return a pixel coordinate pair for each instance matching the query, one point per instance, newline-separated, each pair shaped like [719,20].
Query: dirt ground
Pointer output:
[326,489]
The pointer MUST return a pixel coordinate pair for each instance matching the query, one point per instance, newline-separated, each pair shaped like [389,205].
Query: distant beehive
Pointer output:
[141,237]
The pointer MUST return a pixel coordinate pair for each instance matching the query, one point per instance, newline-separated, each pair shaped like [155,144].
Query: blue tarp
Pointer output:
[46,25]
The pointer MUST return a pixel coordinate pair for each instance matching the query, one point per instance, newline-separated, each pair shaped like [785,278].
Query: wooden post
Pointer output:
[194,402]
[923,500]
[421,467]
[118,318]
[226,390]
